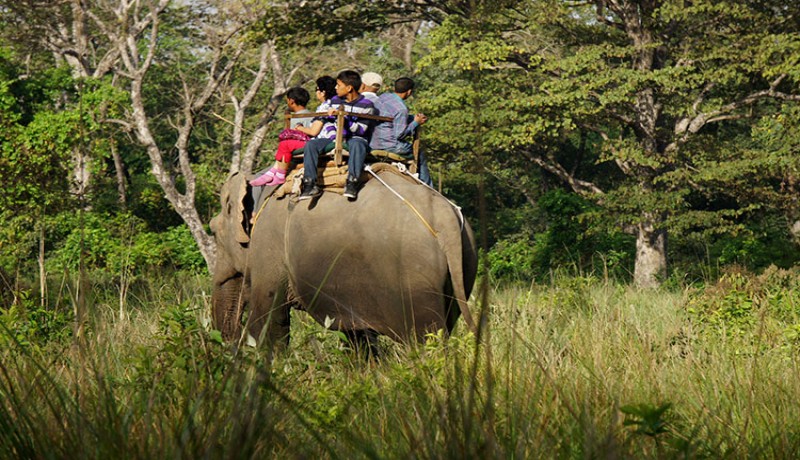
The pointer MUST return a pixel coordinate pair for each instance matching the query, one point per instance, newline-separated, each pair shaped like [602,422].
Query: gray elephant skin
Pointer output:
[375,265]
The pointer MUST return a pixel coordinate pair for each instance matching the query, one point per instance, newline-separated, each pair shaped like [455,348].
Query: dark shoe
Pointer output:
[310,190]
[351,188]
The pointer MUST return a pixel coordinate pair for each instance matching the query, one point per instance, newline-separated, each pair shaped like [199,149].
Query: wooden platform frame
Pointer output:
[338,156]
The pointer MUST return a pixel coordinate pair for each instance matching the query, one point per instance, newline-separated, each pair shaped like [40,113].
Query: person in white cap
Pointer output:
[371,83]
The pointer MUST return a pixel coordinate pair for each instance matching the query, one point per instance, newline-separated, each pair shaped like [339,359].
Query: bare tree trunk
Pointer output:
[78,59]
[650,267]
[402,38]
[790,185]
[73,31]
[137,64]
[81,172]
[119,169]
[183,203]
[269,60]
[651,254]
[42,272]
[280,84]
[794,230]
[408,59]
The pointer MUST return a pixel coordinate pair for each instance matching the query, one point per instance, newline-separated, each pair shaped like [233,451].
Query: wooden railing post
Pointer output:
[337,150]
[415,150]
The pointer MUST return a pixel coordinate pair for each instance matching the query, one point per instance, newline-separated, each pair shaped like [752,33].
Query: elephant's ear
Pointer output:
[241,212]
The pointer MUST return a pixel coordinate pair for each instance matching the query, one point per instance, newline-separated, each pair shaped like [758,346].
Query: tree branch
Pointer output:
[549,164]
[240,107]
[600,7]
[686,126]
[126,126]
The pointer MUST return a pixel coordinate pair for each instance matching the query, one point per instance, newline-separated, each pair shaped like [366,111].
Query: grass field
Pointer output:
[575,369]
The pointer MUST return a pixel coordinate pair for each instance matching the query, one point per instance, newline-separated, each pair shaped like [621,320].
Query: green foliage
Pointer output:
[320,22]
[758,251]
[28,324]
[507,85]
[548,382]
[38,138]
[185,357]
[17,239]
[575,237]
[512,259]
[739,304]
[646,418]
[558,86]
[121,245]
[568,238]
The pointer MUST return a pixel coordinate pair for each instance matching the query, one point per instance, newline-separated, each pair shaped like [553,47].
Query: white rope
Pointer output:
[402,168]
[368,168]
[407,203]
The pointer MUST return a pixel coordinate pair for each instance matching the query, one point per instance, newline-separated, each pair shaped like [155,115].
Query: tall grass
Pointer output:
[578,368]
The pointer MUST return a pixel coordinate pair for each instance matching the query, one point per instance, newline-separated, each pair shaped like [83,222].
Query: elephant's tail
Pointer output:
[462,265]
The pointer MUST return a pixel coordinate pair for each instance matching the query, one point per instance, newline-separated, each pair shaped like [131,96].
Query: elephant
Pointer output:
[400,261]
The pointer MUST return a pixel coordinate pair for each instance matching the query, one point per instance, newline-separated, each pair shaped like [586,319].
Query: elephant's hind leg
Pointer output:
[452,311]
[364,343]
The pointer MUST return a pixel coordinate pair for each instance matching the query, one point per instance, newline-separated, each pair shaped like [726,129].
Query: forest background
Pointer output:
[579,137]
[595,132]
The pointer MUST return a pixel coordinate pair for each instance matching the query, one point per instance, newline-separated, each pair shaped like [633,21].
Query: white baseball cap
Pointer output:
[372,79]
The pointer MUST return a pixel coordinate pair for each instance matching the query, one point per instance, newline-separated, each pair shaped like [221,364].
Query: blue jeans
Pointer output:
[357,146]
[424,172]
[422,162]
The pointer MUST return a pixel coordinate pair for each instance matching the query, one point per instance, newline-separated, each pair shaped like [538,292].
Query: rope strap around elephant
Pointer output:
[258,214]
[416,212]
[403,169]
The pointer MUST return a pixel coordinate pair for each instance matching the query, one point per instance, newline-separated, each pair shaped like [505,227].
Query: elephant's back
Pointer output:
[372,263]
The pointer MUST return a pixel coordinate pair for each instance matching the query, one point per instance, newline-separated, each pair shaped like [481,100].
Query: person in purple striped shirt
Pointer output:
[347,97]
[391,135]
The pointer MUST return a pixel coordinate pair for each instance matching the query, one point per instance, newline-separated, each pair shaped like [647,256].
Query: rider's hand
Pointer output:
[420,118]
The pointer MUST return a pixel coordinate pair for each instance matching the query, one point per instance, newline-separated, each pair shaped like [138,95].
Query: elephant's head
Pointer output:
[231,226]
[231,232]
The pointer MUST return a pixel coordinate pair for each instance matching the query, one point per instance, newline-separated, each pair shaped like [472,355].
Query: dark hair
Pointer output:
[350,77]
[300,95]
[327,85]
[403,84]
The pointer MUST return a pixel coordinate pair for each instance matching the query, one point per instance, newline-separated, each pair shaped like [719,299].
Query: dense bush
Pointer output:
[741,303]
[28,324]
[512,259]
[565,240]
[765,243]
[121,244]
[185,356]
